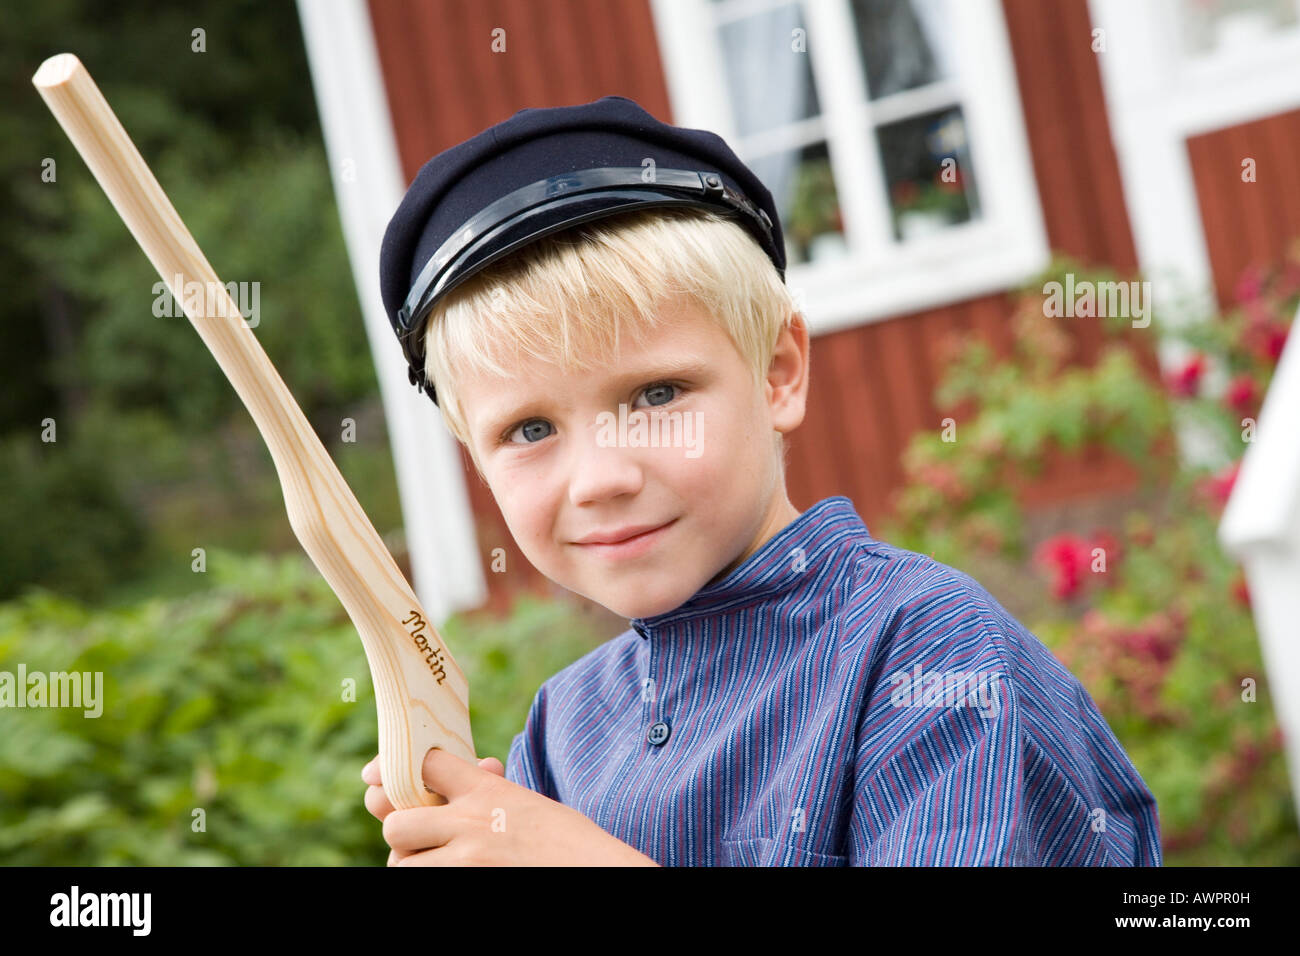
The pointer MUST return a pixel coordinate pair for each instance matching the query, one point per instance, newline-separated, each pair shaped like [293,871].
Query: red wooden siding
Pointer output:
[871,385]
[1247,223]
[445,83]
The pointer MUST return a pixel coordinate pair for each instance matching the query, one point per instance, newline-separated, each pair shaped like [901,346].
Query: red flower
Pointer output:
[1275,335]
[1109,544]
[1218,487]
[1242,394]
[1068,557]
[1264,335]
[1240,592]
[1156,640]
[1251,284]
[1185,381]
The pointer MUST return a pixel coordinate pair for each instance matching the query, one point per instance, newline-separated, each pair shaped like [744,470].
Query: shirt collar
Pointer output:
[789,558]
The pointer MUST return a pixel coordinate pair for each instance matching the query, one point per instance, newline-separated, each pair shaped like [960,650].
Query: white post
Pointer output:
[1261,528]
[368,185]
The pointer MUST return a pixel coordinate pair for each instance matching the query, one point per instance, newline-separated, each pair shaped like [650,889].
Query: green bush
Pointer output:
[230,701]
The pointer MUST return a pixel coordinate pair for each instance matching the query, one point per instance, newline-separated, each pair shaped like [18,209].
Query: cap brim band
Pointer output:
[557,203]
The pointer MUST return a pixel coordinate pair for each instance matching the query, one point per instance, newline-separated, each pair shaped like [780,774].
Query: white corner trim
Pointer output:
[1275,604]
[1264,508]
[368,185]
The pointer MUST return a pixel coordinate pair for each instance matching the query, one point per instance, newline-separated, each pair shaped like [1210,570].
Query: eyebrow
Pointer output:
[497,419]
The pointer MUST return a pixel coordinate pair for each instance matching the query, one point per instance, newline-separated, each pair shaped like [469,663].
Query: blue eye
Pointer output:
[665,392]
[525,428]
[666,389]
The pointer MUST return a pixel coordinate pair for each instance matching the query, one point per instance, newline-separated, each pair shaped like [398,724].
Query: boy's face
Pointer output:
[563,467]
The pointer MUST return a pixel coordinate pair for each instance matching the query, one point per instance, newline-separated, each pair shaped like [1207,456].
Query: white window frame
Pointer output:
[881,277]
[1157,96]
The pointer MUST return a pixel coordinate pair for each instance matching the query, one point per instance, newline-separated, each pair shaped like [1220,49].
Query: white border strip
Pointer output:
[368,185]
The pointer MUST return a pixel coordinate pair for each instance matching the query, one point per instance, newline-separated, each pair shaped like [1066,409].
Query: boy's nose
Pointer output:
[601,471]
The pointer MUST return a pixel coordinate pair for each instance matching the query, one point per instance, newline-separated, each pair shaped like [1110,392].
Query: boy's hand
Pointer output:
[379,806]
[489,821]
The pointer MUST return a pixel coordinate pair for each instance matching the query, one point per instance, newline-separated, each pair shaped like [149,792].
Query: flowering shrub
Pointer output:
[1070,558]
[1150,615]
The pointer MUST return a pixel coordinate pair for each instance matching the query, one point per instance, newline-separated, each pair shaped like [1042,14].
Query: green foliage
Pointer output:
[153,451]
[267,218]
[207,107]
[63,518]
[230,701]
[1151,615]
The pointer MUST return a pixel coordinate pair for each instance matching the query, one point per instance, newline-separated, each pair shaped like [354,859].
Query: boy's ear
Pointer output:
[787,377]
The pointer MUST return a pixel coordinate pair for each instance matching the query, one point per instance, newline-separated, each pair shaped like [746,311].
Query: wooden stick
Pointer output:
[421,695]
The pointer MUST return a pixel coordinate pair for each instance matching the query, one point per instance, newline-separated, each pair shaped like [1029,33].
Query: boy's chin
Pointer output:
[640,604]
[637,609]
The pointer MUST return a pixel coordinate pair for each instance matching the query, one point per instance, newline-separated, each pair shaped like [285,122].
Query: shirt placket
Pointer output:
[642,745]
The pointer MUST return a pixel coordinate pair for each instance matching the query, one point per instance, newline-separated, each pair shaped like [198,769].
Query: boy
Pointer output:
[596,302]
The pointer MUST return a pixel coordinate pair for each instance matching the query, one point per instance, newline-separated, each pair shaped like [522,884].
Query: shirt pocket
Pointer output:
[768,851]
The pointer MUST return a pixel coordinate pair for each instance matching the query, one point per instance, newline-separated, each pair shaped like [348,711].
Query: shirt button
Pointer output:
[658,732]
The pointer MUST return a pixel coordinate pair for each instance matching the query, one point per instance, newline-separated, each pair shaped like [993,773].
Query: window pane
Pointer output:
[768,72]
[928,172]
[803,189]
[1209,25]
[903,43]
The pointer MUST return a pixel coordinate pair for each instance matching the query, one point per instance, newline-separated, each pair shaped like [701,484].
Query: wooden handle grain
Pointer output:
[421,695]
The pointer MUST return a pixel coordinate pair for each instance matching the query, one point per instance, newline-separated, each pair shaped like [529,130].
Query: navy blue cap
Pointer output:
[541,171]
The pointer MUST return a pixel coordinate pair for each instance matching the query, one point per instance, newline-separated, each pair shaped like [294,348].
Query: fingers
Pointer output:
[370,773]
[377,802]
[408,836]
[379,805]
[419,829]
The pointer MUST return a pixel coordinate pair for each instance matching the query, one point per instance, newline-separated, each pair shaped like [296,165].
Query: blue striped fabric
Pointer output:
[833,701]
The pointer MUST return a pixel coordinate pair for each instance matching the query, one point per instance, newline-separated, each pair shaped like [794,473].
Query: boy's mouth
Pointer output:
[628,541]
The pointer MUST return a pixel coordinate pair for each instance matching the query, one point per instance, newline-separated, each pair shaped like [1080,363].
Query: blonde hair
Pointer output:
[567,298]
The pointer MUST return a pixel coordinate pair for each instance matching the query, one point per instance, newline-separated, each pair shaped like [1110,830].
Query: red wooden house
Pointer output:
[927,155]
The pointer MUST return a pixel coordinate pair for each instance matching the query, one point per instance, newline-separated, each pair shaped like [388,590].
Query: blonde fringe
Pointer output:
[569,298]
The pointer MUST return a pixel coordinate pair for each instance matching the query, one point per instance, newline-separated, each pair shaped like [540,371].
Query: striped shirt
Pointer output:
[835,700]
